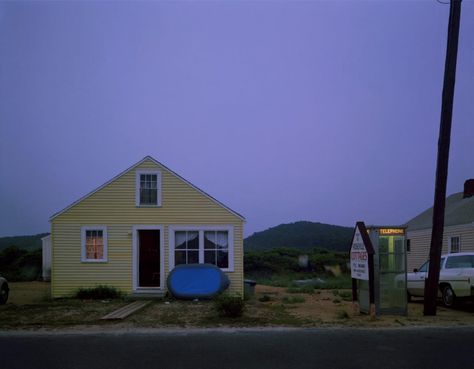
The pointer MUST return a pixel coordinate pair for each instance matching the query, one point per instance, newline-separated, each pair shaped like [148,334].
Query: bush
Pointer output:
[293,299]
[301,289]
[342,314]
[285,260]
[273,261]
[229,306]
[98,293]
[265,298]
[18,265]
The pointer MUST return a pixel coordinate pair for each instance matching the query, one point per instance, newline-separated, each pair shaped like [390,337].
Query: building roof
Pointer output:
[458,211]
[134,166]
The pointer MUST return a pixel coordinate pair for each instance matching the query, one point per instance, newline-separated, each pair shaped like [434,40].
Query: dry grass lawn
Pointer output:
[30,307]
[25,293]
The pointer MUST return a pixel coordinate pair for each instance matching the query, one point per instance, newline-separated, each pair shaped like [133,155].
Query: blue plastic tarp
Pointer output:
[190,281]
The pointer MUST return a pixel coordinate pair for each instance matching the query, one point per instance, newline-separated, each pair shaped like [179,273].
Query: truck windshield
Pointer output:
[425,266]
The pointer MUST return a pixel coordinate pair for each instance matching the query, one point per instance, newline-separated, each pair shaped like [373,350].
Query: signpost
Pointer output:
[359,258]
[362,265]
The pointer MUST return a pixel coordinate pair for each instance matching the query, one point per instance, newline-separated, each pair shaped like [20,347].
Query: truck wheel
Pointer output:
[3,294]
[449,298]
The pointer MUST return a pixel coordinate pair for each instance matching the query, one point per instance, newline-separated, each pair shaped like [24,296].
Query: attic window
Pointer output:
[148,188]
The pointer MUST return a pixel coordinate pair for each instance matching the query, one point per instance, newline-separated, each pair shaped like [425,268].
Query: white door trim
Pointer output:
[135,258]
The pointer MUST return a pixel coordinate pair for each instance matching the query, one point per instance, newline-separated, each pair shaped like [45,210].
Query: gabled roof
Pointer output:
[136,165]
[458,211]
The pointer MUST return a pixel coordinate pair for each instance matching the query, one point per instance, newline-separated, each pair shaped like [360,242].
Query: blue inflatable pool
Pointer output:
[192,281]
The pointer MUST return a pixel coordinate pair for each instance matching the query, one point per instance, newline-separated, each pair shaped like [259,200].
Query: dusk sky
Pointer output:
[282,110]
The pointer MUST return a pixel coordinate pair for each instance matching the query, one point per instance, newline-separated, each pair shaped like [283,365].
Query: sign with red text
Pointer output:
[359,257]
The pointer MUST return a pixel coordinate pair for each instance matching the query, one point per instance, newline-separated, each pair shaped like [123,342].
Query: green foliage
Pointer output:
[276,260]
[229,306]
[345,295]
[342,314]
[302,289]
[341,282]
[293,299]
[19,264]
[285,261]
[301,235]
[318,259]
[29,243]
[99,292]
[274,279]
[287,280]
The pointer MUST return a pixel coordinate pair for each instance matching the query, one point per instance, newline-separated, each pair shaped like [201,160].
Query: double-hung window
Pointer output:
[148,188]
[94,244]
[454,244]
[186,247]
[216,248]
[202,244]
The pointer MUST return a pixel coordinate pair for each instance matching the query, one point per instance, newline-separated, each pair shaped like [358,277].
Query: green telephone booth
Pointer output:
[390,269]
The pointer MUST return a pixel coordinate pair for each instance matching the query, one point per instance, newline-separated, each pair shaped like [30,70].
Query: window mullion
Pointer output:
[186,247]
[201,247]
[216,248]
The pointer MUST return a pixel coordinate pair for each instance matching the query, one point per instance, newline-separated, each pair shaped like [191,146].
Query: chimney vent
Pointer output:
[468,188]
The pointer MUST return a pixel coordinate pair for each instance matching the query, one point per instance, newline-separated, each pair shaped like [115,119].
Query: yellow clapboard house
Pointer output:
[130,233]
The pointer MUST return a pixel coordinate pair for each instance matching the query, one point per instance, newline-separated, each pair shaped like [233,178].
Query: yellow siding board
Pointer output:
[114,207]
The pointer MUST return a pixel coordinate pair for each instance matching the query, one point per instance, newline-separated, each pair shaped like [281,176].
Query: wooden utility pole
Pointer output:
[431,285]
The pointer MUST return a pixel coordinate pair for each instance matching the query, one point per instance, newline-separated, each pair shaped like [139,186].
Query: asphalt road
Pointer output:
[301,348]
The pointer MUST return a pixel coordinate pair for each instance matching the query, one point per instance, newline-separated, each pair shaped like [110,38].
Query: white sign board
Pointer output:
[359,258]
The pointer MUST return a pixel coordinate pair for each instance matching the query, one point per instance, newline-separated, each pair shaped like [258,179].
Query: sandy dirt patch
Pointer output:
[334,307]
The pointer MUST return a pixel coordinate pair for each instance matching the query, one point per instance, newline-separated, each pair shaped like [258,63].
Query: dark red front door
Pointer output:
[149,258]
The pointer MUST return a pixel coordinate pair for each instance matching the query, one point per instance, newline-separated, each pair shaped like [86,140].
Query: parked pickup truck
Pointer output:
[456,278]
[3,290]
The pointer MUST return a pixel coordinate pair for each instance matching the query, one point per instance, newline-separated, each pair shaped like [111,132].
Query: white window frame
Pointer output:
[83,243]
[450,244]
[138,173]
[201,229]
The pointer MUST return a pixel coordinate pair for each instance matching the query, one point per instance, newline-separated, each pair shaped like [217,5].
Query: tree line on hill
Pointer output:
[301,235]
[32,242]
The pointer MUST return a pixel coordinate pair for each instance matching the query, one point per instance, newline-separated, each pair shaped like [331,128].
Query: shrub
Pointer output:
[342,314]
[274,261]
[98,293]
[301,289]
[285,260]
[293,300]
[265,298]
[346,295]
[20,265]
[229,306]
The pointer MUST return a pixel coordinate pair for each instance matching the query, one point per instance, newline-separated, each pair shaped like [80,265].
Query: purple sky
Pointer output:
[284,111]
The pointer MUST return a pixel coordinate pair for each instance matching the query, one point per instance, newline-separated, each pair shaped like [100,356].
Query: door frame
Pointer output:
[135,256]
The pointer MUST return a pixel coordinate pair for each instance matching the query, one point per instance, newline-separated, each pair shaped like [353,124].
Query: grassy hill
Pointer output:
[301,235]
[22,242]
